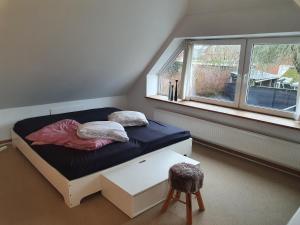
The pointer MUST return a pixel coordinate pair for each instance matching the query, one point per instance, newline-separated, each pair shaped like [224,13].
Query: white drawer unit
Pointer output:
[143,184]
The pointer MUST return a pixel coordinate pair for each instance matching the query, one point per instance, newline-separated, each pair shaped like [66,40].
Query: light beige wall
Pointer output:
[233,17]
[230,17]
[209,6]
[60,50]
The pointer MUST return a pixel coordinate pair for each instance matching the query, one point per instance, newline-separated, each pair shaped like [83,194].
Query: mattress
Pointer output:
[74,164]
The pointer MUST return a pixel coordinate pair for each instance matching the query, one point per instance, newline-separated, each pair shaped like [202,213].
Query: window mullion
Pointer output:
[245,63]
[297,112]
[186,71]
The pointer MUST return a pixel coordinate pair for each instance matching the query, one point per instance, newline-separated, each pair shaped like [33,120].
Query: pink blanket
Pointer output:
[64,132]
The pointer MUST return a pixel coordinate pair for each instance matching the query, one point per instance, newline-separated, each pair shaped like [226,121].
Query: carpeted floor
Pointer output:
[235,192]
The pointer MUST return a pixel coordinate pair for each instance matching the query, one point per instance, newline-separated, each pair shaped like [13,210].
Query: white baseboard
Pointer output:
[8,117]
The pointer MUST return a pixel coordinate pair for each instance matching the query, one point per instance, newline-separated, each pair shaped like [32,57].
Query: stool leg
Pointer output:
[167,202]
[188,208]
[177,196]
[200,201]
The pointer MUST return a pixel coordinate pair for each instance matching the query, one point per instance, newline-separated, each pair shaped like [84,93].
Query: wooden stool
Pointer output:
[185,178]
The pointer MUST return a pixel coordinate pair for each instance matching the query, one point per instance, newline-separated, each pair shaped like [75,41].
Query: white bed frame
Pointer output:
[73,191]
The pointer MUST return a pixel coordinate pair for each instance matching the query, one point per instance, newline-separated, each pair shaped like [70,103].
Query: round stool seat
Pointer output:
[186,177]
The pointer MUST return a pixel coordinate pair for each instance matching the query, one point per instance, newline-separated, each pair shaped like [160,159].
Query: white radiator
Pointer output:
[271,149]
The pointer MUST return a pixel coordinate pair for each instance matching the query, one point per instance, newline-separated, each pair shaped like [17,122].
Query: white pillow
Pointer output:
[102,129]
[129,118]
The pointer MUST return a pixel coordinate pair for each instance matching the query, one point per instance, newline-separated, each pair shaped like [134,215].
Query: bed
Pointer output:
[75,174]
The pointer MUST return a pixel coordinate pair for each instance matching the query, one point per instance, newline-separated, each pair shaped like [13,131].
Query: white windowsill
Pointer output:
[274,120]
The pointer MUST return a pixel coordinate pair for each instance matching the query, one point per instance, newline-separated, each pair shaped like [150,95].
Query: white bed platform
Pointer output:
[73,191]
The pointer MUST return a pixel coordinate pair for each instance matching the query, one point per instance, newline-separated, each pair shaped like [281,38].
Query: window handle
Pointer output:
[246,76]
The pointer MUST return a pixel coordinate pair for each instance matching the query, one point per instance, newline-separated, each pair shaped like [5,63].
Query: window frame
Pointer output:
[235,103]
[169,62]
[244,90]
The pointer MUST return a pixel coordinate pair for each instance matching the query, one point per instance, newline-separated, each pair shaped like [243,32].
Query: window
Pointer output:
[273,76]
[259,75]
[170,73]
[215,71]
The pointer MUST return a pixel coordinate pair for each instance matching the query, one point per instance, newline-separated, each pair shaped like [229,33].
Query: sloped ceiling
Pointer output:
[58,50]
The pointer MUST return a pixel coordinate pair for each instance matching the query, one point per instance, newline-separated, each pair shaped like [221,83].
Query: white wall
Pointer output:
[268,148]
[230,17]
[61,50]
[233,17]
[209,6]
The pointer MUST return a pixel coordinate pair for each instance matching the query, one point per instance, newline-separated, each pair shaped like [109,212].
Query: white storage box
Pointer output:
[143,184]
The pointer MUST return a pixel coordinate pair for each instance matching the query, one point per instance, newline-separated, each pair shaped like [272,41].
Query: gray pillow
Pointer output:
[129,118]
[104,130]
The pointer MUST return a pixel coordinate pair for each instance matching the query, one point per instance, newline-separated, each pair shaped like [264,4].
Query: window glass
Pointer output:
[170,74]
[215,71]
[274,74]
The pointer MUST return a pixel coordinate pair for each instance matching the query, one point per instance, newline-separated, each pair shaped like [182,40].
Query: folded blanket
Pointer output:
[64,132]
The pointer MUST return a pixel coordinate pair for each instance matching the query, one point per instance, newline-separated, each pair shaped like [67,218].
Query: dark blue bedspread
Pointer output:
[74,164]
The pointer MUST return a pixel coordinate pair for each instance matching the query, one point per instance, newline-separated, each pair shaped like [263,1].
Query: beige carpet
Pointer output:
[235,192]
